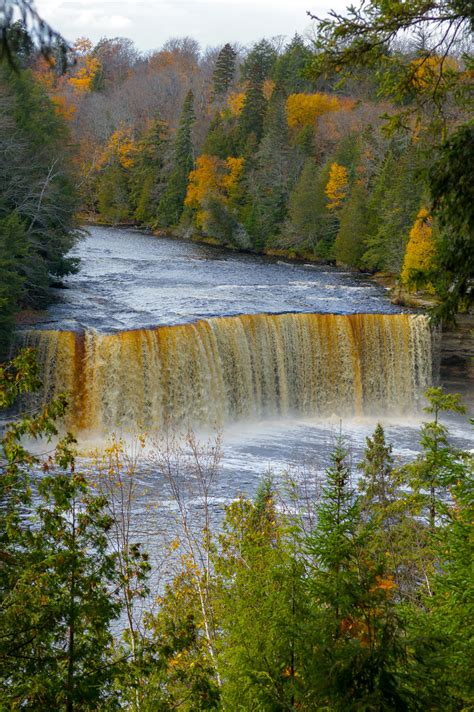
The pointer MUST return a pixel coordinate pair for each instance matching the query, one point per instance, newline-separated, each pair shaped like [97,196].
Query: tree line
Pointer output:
[306,149]
[348,592]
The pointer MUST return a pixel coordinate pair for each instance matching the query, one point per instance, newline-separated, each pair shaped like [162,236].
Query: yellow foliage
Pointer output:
[82,81]
[203,181]
[235,166]
[336,187]
[63,106]
[235,102]
[268,87]
[420,248]
[121,146]
[212,176]
[303,109]
[428,70]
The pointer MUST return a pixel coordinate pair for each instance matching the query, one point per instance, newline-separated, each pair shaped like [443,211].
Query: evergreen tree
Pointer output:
[309,218]
[259,62]
[435,470]
[220,139]
[251,118]
[261,608]
[350,240]
[224,70]
[272,178]
[290,70]
[147,174]
[13,253]
[396,201]
[171,205]
[36,191]
[359,643]
[56,576]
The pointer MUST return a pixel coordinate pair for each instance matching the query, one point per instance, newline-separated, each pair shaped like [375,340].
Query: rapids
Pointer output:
[155,333]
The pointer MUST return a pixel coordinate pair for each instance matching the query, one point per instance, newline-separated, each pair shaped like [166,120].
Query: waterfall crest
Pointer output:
[233,368]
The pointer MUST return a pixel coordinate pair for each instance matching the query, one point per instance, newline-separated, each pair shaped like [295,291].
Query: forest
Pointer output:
[261,148]
[349,588]
[351,591]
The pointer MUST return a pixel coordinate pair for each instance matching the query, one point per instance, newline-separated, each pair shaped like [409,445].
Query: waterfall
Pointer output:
[233,368]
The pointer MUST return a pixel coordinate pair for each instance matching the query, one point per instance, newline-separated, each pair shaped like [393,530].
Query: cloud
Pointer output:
[91,20]
[149,23]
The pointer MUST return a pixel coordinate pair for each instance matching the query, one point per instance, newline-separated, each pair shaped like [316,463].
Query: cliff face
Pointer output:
[457,359]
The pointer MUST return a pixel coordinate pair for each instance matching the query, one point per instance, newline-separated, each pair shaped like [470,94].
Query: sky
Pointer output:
[149,23]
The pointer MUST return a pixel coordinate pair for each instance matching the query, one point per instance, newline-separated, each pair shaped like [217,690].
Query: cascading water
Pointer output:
[224,369]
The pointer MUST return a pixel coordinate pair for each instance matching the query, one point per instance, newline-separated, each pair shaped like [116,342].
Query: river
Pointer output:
[338,358]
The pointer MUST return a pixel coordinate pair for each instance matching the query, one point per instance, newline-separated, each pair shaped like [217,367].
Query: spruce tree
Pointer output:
[147,173]
[309,220]
[350,240]
[171,205]
[224,70]
[359,645]
[251,118]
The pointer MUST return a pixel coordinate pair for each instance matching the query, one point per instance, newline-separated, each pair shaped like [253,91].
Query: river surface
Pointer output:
[131,280]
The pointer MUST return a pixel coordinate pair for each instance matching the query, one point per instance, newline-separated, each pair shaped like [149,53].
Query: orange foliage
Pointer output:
[420,248]
[82,81]
[203,181]
[303,109]
[64,107]
[336,187]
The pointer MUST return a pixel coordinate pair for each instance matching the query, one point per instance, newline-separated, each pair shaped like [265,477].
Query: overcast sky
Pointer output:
[149,23]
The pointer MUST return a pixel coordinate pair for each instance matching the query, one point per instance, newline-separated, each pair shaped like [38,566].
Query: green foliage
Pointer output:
[56,575]
[394,205]
[453,199]
[290,69]
[147,173]
[261,607]
[171,204]
[251,118]
[437,468]
[308,215]
[350,240]
[37,197]
[259,62]
[113,200]
[224,70]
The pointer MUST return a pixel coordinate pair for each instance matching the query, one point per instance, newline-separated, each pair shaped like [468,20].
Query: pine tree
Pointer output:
[56,577]
[358,641]
[398,196]
[310,220]
[224,70]
[290,68]
[171,205]
[13,256]
[259,62]
[147,174]
[251,118]
[272,178]
[350,240]
[261,607]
